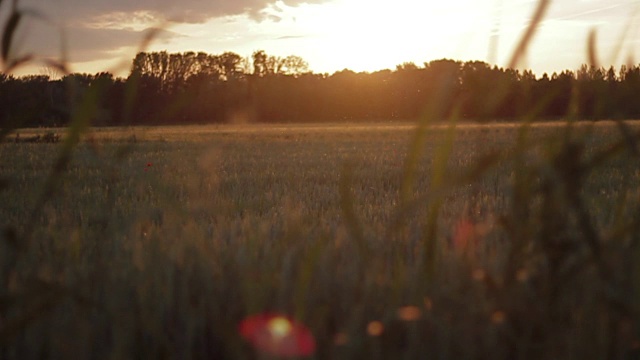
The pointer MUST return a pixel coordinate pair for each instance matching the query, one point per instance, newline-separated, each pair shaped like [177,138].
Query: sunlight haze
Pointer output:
[361,35]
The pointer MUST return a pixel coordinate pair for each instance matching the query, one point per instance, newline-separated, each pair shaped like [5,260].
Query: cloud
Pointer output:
[184,11]
[288,37]
[593,11]
[98,29]
[81,43]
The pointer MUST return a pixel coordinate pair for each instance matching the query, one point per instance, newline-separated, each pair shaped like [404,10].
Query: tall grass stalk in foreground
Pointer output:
[169,249]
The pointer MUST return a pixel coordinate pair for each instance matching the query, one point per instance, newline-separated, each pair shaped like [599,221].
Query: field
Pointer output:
[384,241]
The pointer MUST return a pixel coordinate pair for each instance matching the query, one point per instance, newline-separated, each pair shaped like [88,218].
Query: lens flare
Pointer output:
[375,328]
[409,313]
[498,317]
[279,327]
[278,335]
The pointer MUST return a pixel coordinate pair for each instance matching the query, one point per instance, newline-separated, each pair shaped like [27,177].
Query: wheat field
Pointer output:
[495,241]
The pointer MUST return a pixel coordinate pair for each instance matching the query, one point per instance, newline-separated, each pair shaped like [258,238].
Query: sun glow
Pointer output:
[331,35]
[279,327]
[368,35]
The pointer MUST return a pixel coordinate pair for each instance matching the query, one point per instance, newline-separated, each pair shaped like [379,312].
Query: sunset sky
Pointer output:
[361,35]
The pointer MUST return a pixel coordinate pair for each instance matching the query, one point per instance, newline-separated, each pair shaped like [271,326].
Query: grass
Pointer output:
[158,242]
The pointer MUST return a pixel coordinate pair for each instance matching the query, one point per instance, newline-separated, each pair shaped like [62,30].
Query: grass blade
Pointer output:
[521,48]
[8,34]
[351,220]
[591,49]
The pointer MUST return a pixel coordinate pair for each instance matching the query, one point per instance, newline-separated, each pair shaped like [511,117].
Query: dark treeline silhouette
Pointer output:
[193,87]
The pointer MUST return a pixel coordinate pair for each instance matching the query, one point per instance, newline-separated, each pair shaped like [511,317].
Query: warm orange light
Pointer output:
[409,313]
[522,275]
[372,35]
[498,317]
[428,304]
[375,328]
[278,335]
[341,338]
[479,275]
[464,236]
[279,327]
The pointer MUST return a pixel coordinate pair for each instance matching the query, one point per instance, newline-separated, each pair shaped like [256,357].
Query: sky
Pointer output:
[331,35]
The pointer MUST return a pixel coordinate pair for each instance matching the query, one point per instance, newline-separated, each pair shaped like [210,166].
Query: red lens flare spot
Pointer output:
[278,335]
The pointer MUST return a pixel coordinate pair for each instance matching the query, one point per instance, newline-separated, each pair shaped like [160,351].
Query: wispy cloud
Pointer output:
[90,30]
[287,37]
[594,10]
[184,11]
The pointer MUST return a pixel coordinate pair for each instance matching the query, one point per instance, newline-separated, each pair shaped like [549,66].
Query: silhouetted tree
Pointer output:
[198,87]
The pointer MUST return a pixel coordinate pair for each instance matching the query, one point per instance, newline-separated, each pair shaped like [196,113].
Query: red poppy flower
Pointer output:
[278,335]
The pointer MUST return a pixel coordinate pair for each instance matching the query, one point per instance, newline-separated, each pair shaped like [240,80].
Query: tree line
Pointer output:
[189,88]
